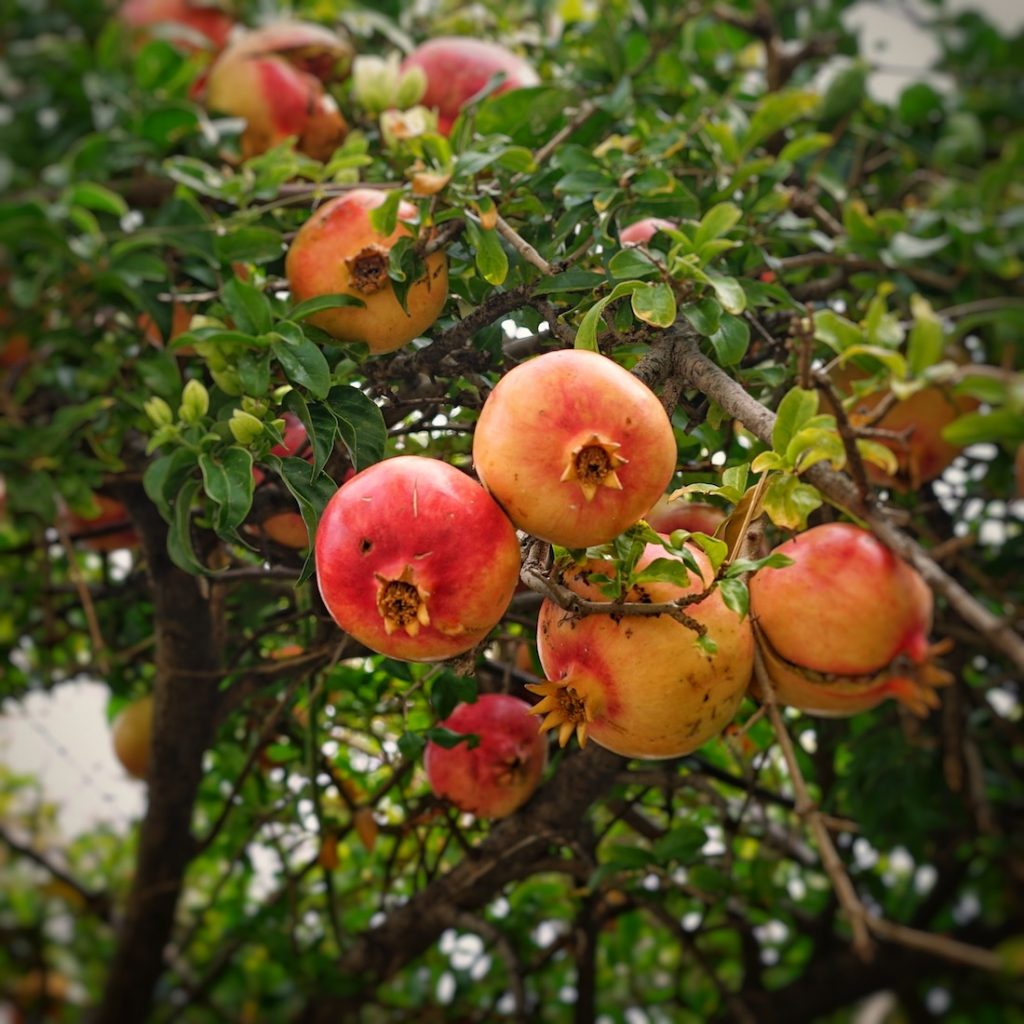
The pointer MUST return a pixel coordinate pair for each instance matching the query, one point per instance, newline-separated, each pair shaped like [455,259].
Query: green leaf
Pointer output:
[165,477]
[303,363]
[795,409]
[975,427]
[776,111]
[926,340]
[836,331]
[716,550]
[804,146]
[664,570]
[570,281]
[448,690]
[729,292]
[683,844]
[491,258]
[731,340]
[321,302]
[742,566]
[249,245]
[411,745]
[179,537]
[788,501]
[813,445]
[96,197]
[631,263]
[705,315]
[655,304]
[735,595]
[384,218]
[448,738]
[247,306]
[321,426]
[360,425]
[586,335]
[228,480]
[718,221]
[879,455]
[845,92]
[892,361]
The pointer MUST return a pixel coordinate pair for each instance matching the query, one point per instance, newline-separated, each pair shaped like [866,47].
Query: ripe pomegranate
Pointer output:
[415,560]
[573,447]
[846,625]
[275,77]
[337,251]
[924,415]
[131,734]
[642,231]
[111,514]
[680,514]
[500,774]
[458,68]
[642,686]
[201,23]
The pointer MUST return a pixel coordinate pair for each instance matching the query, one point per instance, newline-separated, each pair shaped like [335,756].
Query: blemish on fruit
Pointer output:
[369,269]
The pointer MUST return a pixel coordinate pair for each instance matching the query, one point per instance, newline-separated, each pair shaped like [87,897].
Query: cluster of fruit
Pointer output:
[418,561]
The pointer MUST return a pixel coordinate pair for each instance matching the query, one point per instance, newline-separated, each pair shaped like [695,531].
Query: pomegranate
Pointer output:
[642,231]
[99,530]
[925,454]
[642,686]
[496,777]
[574,447]
[275,78]
[846,625]
[458,68]
[680,514]
[192,23]
[415,560]
[131,734]
[337,251]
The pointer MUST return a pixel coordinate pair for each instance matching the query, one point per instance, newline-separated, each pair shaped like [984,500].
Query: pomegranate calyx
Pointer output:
[566,706]
[593,464]
[369,269]
[402,604]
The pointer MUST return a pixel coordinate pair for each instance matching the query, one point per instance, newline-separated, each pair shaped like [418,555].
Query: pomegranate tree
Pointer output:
[574,447]
[642,686]
[338,251]
[458,68]
[845,625]
[415,560]
[499,774]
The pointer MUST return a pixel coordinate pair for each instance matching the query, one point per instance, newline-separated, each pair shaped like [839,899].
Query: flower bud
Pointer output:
[398,125]
[412,85]
[159,412]
[244,427]
[195,402]
[375,82]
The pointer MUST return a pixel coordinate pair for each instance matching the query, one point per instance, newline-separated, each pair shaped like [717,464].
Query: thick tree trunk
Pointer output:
[185,701]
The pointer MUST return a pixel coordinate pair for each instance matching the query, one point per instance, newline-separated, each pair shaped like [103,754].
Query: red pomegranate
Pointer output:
[496,777]
[337,251]
[845,625]
[642,686]
[680,514]
[458,68]
[415,560]
[202,23]
[109,530]
[573,447]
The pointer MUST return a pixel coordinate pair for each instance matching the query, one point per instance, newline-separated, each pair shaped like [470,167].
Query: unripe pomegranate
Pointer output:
[131,734]
[458,68]
[573,447]
[642,686]
[642,231]
[275,78]
[202,22]
[500,774]
[337,251]
[696,516]
[845,625]
[415,560]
